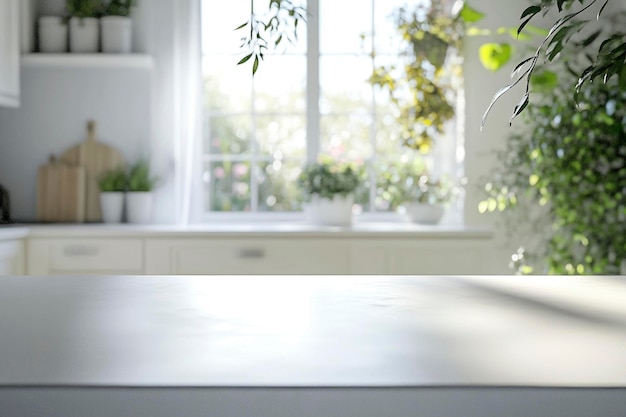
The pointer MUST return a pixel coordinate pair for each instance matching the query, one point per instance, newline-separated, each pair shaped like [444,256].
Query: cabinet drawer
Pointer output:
[248,256]
[91,255]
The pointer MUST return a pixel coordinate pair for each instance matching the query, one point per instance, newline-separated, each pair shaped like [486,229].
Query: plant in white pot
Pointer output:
[329,187]
[116,26]
[52,34]
[427,198]
[139,195]
[112,190]
[84,25]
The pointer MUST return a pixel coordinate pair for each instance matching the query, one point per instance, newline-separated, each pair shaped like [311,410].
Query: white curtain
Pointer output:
[175,44]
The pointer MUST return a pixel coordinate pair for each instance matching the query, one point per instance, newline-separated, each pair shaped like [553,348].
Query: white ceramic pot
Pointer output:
[425,213]
[112,206]
[139,207]
[52,34]
[335,212]
[117,34]
[84,35]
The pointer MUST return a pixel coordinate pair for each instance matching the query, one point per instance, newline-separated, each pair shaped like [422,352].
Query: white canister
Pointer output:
[116,32]
[84,35]
[52,34]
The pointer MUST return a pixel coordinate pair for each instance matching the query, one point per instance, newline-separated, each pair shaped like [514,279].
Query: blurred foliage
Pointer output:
[328,177]
[113,181]
[140,178]
[568,166]
[420,84]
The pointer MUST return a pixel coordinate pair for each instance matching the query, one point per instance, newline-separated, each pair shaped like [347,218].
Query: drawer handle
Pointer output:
[80,250]
[252,253]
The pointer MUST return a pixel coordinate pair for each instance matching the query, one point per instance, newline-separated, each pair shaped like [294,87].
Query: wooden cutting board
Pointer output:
[60,192]
[96,158]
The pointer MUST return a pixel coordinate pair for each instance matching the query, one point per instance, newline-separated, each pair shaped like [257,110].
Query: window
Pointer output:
[312,99]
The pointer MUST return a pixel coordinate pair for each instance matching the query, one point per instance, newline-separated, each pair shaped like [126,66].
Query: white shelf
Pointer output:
[91,61]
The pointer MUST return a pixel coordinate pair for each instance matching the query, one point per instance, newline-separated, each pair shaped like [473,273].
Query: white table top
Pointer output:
[313,331]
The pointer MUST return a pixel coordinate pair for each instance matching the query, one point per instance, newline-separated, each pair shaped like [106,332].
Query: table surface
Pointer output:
[314,331]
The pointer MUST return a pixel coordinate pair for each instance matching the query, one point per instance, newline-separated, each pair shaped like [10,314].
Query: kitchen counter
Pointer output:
[9,232]
[312,346]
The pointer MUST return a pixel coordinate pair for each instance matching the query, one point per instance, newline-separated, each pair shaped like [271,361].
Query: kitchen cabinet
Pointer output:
[11,257]
[9,53]
[212,250]
[243,256]
[85,256]
[401,256]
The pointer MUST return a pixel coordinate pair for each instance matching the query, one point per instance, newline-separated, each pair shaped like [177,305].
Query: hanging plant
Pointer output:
[421,84]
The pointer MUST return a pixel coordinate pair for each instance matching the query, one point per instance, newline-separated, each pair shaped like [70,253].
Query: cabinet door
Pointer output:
[85,256]
[11,257]
[420,256]
[9,53]
[248,256]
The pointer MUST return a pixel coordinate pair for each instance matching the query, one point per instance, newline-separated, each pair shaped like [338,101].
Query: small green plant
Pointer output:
[139,177]
[328,178]
[407,180]
[119,8]
[84,8]
[113,181]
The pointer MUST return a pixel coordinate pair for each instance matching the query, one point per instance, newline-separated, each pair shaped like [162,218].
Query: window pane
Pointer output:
[344,86]
[386,39]
[218,25]
[280,86]
[229,185]
[346,137]
[282,136]
[227,87]
[227,135]
[341,25]
[277,182]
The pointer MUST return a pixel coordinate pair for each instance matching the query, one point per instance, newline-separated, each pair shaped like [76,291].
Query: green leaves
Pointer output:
[495,55]
[569,165]
[470,15]
[266,32]
[328,178]
[608,62]
[420,84]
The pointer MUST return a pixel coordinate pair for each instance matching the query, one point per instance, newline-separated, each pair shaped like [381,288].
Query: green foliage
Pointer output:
[85,8]
[119,7]
[114,181]
[407,180]
[569,164]
[328,178]
[420,85]
[139,177]
[570,33]
[266,32]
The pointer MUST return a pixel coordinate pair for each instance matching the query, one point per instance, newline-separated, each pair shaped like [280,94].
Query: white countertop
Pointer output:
[365,229]
[331,331]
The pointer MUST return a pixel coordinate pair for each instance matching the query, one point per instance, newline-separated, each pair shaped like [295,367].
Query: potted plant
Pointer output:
[116,26]
[329,187]
[426,198]
[84,33]
[139,195]
[112,188]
